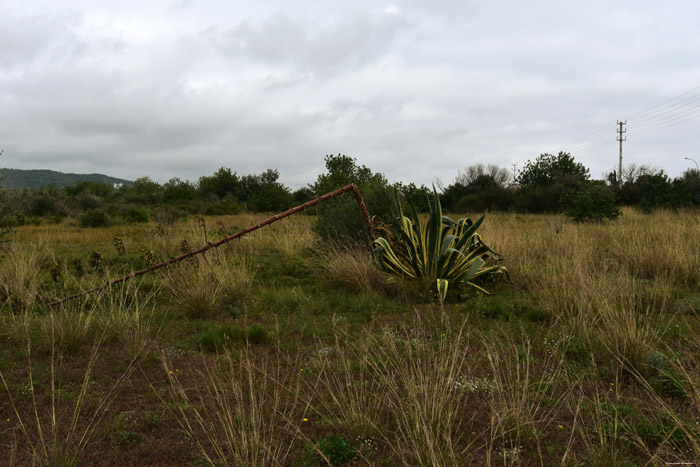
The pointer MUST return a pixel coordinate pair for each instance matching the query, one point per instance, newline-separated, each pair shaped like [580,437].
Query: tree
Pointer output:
[343,170]
[222,183]
[545,182]
[548,170]
[248,185]
[46,201]
[178,191]
[646,187]
[145,191]
[303,195]
[499,176]
[87,187]
[271,197]
[594,201]
[417,196]
[339,218]
[479,188]
[687,188]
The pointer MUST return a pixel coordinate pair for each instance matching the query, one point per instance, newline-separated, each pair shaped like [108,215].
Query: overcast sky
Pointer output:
[415,89]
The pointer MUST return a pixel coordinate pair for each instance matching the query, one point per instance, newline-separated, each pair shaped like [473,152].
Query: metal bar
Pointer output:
[240,233]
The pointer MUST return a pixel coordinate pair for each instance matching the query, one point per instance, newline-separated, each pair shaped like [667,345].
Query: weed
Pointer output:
[336,449]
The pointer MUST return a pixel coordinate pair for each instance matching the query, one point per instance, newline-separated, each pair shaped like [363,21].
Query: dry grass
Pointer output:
[241,413]
[294,237]
[403,387]
[620,303]
[353,268]
[205,285]
[20,278]
[519,414]
[62,436]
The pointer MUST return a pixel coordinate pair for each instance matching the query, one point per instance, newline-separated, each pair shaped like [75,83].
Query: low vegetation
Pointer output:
[549,184]
[281,348]
[299,345]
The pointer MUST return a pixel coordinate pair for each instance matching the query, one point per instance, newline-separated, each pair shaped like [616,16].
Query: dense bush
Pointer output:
[226,206]
[592,202]
[687,188]
[135,214]
[45,202]
[273,197]
[222,184]
[413,195]
[95,218]
[340,218]
[545,183]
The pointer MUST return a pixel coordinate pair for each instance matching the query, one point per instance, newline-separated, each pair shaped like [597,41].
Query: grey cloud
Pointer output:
[344,42]
[416,94]
[27,39]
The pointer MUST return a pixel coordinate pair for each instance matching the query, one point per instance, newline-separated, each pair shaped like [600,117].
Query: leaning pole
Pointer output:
[240,233]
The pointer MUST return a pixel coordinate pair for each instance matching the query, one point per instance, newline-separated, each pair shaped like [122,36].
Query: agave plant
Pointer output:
[437,253]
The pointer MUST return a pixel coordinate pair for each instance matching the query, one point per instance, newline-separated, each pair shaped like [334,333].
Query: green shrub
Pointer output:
[256,334]
[226,206]
[336,449]
[137,215]
[217,338]
[168,215]
[340,219]
[271,197]
[95,218]
[592,202]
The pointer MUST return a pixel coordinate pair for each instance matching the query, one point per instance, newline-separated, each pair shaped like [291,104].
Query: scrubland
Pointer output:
[281,349]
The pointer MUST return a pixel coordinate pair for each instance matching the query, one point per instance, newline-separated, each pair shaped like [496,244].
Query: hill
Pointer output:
[20,178]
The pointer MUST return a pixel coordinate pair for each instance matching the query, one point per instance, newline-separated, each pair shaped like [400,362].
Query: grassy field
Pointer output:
[276,349]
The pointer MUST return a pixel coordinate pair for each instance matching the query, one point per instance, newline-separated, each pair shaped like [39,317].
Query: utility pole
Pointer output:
[514,164]
[620,138]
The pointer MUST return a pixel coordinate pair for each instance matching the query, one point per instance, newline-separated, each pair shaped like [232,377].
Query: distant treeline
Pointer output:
[17,179]
[550,183]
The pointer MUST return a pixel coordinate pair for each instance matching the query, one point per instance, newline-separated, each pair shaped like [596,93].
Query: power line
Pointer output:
[629,117]
[665,125]
[573,144]
[595,148]
[670,112]
[594,142]
[674,111]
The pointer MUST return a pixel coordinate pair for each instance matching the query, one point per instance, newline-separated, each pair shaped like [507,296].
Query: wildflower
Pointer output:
[561,427]
[305,420]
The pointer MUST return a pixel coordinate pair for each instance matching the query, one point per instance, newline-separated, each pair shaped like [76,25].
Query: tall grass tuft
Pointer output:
[353,268]
[205,285]
[242,411]
[409,384]
[293,237]
[20,278]
[522,402]
[61,436]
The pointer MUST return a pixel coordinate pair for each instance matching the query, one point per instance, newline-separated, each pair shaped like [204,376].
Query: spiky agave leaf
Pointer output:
[439,251]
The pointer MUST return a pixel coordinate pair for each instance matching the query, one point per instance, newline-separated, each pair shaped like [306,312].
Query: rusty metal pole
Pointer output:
[240,233]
